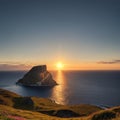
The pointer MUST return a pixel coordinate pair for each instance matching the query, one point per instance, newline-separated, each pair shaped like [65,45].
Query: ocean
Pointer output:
[100,88]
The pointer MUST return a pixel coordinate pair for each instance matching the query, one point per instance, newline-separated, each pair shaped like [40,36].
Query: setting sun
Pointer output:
[59,65]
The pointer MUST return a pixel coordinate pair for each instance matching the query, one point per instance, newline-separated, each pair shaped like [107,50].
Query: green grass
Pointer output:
[29,115]
[6,111]
[43,105]
[13,106]
[6,97]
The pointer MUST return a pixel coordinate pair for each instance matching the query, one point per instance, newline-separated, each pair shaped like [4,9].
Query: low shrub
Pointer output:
[106,115]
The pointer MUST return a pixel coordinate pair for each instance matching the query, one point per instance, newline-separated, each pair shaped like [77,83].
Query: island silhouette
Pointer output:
[38,76]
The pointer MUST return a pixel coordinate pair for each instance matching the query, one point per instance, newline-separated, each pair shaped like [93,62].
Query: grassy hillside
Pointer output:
[6,97]
[9,113]
[16,107]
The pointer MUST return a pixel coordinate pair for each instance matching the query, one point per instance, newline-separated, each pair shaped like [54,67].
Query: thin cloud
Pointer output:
[4,67]
[109,62]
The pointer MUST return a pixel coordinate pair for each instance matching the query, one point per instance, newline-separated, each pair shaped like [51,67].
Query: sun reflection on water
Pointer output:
[59,93]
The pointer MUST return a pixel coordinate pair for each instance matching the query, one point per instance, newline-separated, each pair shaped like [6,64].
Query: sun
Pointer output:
[60,66]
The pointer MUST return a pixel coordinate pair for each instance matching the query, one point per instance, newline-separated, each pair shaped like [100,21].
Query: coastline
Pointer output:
[49,109]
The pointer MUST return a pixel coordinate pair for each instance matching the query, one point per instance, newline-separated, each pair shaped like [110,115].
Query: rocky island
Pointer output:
[37,76]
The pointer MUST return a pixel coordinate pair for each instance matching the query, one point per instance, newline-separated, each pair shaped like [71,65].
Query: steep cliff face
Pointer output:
[37,76]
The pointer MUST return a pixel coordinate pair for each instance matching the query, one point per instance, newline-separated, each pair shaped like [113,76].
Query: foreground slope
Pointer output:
[16,107]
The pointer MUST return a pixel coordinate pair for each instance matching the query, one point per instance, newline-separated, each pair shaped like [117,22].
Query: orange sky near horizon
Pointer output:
[66,65]
[87,66]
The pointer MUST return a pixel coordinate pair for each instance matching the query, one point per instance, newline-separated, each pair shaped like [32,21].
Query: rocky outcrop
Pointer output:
[23,103]
[37,76]
[62,113]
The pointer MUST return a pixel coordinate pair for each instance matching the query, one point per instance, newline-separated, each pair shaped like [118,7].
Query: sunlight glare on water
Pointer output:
[58,93]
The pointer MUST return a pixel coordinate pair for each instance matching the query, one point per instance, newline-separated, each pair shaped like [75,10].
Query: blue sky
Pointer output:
[46,31]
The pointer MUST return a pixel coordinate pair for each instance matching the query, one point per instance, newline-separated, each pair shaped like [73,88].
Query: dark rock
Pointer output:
[3,102]
[105,115]
[62,113]
[23,103]
[66,114]
[37,76]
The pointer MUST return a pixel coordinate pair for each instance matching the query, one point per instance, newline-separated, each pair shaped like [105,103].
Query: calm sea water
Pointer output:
[75,87]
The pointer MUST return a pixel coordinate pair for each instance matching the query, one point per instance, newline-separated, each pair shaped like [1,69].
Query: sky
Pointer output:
[82,34]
